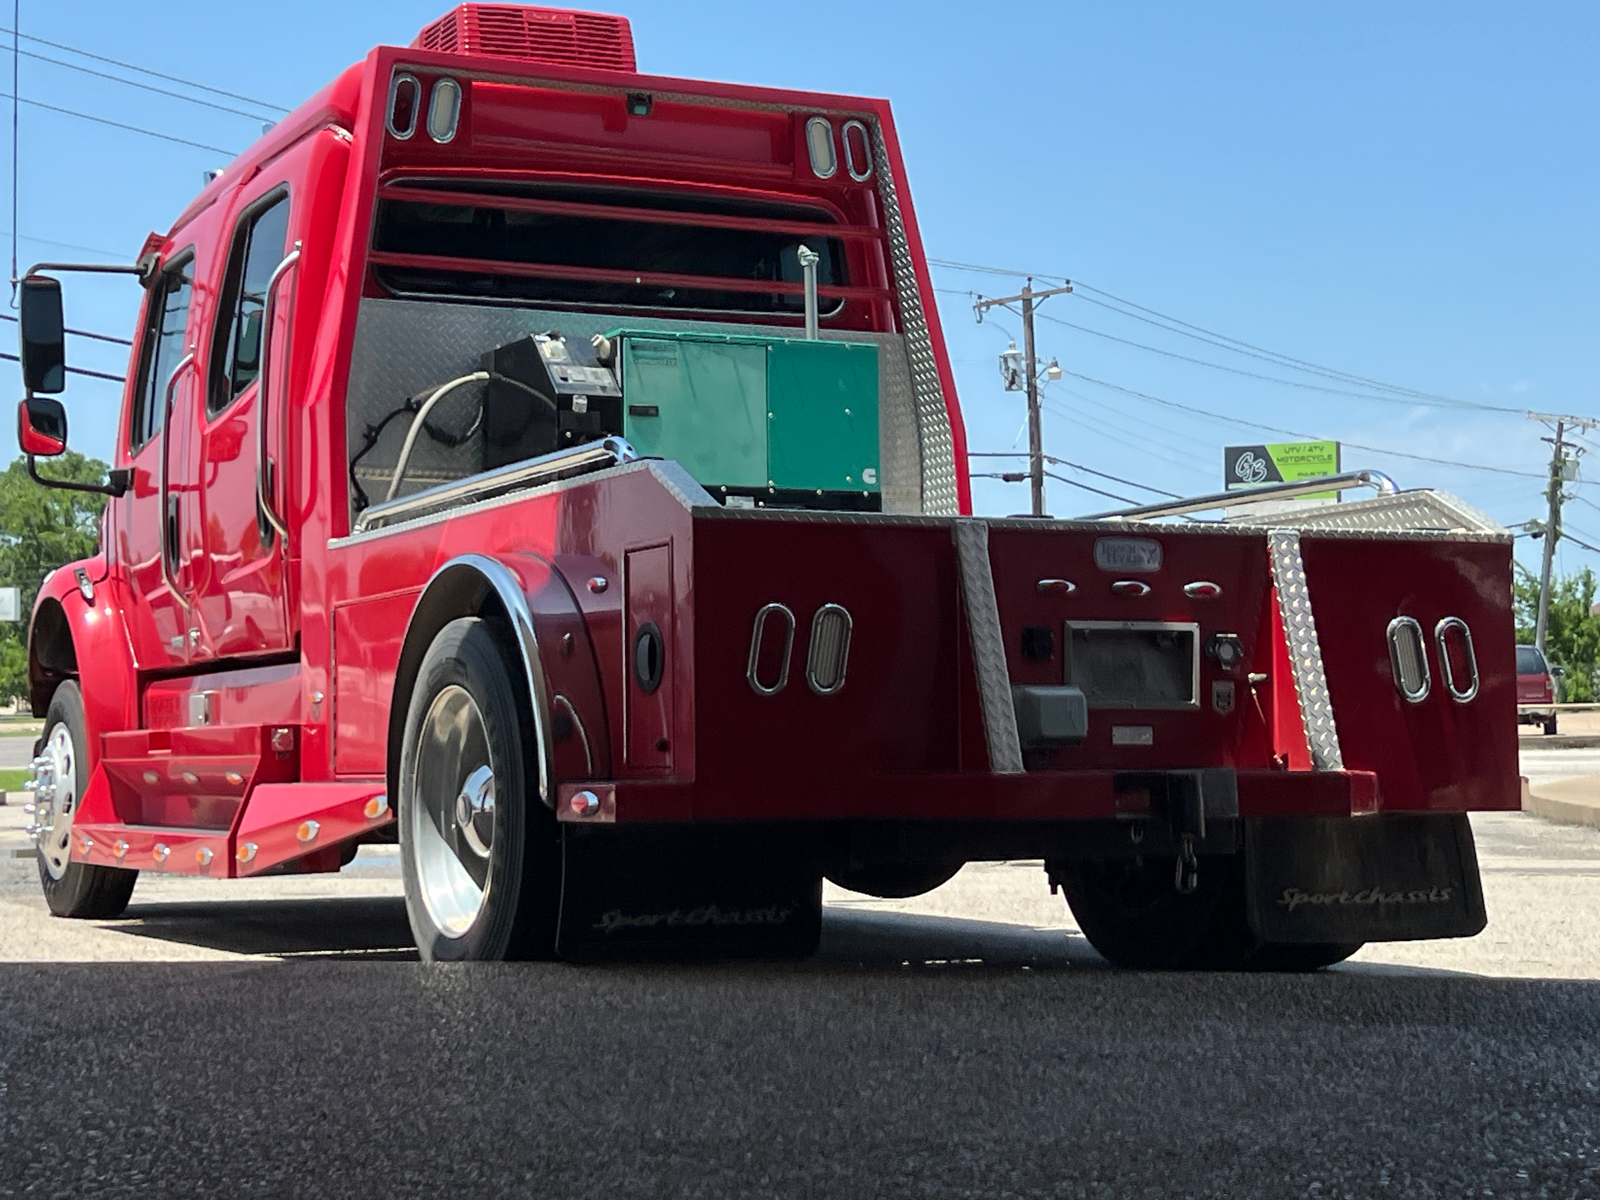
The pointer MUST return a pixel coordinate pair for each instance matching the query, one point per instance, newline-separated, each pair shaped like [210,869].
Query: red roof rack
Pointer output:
[559,36]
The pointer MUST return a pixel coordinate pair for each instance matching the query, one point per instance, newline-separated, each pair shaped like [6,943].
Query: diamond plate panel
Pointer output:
[939,494]
[404,347]
[1418,511]
[988,646]
[1305,652]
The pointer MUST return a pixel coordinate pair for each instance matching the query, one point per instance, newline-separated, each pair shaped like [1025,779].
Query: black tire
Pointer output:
[80,890]
[520,894]
[893,880]
[1550,725]
[1134,916]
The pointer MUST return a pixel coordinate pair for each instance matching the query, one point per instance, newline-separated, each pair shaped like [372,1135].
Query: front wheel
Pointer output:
[478,847]
[1133,914]
[1550,725]
[61,772]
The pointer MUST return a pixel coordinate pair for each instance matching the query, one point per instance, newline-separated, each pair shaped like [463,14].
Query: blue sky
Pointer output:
[1407,193]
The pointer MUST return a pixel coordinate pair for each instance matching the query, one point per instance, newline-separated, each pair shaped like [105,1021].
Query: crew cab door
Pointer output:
[149,532]
[242,583]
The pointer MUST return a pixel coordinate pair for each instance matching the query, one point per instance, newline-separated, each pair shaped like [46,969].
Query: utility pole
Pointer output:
[1555,494]
[1029,299]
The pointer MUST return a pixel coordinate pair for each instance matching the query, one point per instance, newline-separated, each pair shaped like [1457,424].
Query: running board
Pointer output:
[218,801]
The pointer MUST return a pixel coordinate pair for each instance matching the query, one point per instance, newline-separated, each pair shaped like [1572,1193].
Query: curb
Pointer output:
[1561,741]
[1570,802]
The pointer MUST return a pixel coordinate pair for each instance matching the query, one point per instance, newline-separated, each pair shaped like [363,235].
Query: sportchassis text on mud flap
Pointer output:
[481,484]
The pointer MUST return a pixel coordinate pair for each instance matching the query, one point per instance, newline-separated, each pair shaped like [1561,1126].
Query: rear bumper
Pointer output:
[1032,796]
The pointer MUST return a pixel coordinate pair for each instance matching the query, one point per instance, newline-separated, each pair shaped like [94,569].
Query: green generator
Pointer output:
[778,420]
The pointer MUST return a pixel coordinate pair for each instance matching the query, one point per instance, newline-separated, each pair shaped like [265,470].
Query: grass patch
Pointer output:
[12,778]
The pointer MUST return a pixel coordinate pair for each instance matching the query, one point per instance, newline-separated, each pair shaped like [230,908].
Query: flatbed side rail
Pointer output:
[1347,481]
[576,460]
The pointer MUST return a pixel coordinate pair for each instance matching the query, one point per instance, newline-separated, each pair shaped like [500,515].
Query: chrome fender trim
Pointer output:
[503,582]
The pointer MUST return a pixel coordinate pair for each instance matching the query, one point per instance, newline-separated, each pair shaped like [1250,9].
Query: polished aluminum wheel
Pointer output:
[451,811]
[55,799]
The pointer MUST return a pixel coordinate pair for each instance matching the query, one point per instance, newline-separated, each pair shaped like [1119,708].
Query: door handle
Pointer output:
[169,516]
[265,483]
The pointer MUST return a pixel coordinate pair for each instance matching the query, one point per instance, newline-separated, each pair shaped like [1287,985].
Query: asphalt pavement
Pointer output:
[966,1043]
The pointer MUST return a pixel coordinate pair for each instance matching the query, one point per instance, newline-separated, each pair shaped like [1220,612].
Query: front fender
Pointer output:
[80,632]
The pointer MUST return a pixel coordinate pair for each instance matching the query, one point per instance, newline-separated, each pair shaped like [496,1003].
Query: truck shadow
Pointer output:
[375,928]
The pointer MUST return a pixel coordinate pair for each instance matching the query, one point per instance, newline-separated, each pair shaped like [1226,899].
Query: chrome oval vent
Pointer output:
[1408,658]
[766,659]
[1454,640]
[830,650]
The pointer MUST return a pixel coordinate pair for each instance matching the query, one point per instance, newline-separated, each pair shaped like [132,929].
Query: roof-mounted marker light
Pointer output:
[444,110]
[819,144]
[640,104]
[405,102]
[858,164]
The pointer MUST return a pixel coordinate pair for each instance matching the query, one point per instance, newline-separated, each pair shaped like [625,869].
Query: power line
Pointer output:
[99,337]
[1302,437]
[165,137]
[127,66]
[111,254]
[74,370]
[1233,345]
[1050,458]
[1242,347]
[1401,395]
[1087,488]
[134,83]
[1311,387]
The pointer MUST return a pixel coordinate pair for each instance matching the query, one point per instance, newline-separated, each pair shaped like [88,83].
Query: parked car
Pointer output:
[1536,684]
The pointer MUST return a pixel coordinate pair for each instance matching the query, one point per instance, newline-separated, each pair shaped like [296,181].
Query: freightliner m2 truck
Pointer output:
[557,470]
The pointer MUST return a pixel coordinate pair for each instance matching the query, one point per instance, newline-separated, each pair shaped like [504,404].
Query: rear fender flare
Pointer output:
[472,585]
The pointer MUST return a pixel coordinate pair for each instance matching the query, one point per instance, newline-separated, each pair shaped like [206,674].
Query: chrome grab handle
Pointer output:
[1441,633]
[269,314]
[167,573]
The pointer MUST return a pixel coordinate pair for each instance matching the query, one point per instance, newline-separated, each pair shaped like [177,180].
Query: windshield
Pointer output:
[1530,661]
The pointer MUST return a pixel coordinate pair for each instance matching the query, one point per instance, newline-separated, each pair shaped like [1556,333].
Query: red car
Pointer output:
[1535,685]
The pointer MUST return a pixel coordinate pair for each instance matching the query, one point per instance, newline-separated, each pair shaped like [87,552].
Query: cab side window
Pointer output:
[258,248]
[164,347]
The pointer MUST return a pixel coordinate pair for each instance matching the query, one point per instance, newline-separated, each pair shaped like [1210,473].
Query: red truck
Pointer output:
[558,470]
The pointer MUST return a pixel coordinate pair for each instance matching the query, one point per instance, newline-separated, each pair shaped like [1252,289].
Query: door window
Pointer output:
[164,348]
[258,248]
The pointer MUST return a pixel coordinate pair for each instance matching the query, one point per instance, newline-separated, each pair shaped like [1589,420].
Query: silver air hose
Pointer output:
[439,393]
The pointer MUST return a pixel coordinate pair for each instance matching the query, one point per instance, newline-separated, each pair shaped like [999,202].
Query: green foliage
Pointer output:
[40,530]
[1572,634]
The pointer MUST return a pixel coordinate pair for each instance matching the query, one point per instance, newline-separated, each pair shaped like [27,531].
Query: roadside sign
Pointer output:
[1280,462]
[10,604]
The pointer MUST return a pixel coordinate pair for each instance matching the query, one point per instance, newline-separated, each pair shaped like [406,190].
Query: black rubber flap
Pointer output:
[664,892]
[1386,878]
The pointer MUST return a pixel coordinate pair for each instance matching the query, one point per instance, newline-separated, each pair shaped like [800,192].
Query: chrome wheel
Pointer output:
[55,798]
[452,811]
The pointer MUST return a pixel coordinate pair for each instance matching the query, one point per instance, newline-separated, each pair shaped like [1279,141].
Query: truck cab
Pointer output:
[558,469]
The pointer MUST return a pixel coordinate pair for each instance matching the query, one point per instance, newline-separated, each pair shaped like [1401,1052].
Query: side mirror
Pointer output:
[44,335]
[42,426]
[1558,672]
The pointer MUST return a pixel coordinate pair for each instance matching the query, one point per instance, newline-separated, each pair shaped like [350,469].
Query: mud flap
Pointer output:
[641,893]
[1343,880]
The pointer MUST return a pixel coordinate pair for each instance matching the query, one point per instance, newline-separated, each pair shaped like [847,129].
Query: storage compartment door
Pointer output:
[823,397]
[650,649]
[701,403]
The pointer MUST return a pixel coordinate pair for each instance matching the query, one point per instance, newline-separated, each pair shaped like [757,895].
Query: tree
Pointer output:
[41,529]
[1572,633]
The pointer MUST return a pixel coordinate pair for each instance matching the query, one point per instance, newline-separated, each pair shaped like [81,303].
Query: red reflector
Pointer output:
[558,36]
